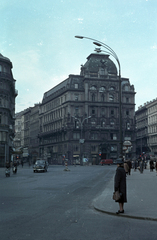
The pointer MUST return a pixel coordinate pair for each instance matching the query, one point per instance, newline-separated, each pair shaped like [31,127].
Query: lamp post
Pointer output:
[81,141]
[113,54]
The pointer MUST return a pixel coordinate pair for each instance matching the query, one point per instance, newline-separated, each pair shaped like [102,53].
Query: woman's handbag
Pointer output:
[116,196]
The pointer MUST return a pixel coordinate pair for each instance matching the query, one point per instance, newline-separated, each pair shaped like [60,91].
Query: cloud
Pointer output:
[80,20]
[154,46]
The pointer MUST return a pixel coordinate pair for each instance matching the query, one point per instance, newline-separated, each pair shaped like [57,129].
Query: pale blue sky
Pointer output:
[38,37]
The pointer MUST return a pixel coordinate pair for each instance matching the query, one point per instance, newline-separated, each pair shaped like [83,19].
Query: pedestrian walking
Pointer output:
[120,185]
[151,165]
[130,166]
[156,167]
[135,165]
[141,166]
[22,162]
[126,167]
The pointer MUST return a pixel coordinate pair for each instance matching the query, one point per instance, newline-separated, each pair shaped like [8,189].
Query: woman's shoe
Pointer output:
[120,212]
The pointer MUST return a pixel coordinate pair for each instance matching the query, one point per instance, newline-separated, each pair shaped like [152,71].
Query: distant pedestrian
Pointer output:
[145,164]
[156,167]
[22,162]
[135,165]
[141,165]
[130,166]
[120,184]
[151,165]
[126,167]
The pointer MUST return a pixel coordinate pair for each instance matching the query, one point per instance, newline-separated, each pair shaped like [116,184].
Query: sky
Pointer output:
[38,36]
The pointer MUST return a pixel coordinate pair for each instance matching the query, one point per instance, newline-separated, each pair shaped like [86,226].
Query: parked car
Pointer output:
[40,166]
[106,161]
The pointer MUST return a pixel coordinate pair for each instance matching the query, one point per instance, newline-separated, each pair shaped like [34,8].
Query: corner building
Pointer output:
[79,118]
[8,94]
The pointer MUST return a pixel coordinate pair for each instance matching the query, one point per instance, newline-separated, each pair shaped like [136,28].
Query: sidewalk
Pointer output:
[141,197]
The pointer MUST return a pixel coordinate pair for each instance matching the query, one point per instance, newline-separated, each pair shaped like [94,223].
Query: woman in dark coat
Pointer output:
[120,184]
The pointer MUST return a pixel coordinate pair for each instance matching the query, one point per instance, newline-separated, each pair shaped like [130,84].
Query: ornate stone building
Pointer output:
[141,117]
[146,128]
[79,118]
[8,94]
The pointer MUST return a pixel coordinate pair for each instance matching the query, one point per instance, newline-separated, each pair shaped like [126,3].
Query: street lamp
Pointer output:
[81,140]
[113,54]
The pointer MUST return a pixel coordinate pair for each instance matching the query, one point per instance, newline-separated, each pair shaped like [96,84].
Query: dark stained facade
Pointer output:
[79,118]
[8,94]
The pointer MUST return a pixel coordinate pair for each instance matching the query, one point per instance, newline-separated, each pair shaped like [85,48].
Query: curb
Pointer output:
[125,215]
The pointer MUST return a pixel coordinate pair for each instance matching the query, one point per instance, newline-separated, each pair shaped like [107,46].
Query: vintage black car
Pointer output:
[40,166]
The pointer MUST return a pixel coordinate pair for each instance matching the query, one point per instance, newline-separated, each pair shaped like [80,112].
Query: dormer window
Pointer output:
[76,85]
[126,88]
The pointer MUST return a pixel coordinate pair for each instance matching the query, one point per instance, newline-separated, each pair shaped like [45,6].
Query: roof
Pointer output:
[4,58]
[95,61]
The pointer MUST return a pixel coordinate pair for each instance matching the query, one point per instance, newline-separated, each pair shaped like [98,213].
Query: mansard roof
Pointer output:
[95,61]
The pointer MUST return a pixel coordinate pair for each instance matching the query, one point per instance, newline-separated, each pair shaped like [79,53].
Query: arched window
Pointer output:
[102,98]
[111,88]
[93,97]
[103,123]
[93,88]
[101,89]
[112,122]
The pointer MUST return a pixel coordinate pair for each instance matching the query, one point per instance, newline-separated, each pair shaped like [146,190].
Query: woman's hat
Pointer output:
[119,161]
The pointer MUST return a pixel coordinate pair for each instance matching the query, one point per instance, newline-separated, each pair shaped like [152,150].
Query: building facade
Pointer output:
[8,94]
[26,141]
[146,128]
[152,126]
[34,131]
[79,118]
[141,117]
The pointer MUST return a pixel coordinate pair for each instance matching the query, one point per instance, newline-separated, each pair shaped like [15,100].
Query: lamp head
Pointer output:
[98,44]
[80,37]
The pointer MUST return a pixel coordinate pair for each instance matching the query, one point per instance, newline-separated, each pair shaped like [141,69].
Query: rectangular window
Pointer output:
[94,136]
[128,126]
[76,97]
[93,148]
[76,110]
[113,136]
[93,111]
[76,85]
[76,136]
[113,148]
[76,148]
[127,112]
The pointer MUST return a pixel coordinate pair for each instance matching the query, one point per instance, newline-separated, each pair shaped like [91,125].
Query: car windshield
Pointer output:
[40,162]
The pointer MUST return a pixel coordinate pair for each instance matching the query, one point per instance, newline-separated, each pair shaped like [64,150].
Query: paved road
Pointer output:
[58,205]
